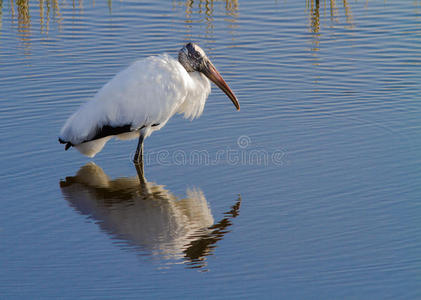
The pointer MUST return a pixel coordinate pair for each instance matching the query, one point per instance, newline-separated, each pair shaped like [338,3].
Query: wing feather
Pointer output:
[146,93]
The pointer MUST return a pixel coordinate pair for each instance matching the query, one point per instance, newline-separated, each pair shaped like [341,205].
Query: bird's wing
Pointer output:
[146,93]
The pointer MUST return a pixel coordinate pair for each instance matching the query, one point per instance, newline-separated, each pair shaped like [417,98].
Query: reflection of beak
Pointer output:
[211,72]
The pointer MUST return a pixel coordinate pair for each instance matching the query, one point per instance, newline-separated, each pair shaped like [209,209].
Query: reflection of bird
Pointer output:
[142,98]
[147,215]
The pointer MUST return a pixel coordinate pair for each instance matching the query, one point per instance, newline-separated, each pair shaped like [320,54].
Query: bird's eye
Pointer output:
[194,54]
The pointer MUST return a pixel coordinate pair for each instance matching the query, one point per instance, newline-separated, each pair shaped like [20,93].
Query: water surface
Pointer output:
[310,191]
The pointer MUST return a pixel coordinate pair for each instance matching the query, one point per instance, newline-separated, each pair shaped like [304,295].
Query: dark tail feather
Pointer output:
[68,144]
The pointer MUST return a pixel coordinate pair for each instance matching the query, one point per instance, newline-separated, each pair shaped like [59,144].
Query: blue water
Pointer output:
[311,191]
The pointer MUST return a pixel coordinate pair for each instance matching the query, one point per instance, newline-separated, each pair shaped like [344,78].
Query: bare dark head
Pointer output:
[193,58]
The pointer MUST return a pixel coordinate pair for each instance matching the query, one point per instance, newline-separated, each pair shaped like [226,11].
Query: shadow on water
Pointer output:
[147,217]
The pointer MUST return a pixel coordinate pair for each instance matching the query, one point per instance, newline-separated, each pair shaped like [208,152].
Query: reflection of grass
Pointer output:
[314,15]
[24,19]
[206,7]
[50,10]
[314,9]
[46,8]
[1,12]
[45,13]
[205,11]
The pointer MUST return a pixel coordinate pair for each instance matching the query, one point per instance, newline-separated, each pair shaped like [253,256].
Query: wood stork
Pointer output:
[142,98]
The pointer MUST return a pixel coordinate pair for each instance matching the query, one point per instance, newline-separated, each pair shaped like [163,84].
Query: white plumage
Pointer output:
[142,98]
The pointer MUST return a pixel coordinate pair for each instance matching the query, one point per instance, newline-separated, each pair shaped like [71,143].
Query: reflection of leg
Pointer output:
[138,157]
[141,175]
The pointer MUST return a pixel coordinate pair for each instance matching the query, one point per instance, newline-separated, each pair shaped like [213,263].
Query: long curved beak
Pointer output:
[210,72]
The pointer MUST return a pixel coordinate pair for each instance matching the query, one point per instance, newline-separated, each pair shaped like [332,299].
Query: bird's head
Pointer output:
[193,58]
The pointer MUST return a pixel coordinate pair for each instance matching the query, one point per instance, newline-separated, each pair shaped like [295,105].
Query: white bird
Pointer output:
[142,98]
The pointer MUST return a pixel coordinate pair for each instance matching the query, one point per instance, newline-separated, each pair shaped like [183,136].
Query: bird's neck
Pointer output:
[198,91]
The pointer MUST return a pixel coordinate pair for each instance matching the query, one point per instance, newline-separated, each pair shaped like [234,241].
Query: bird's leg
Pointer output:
[138,157]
